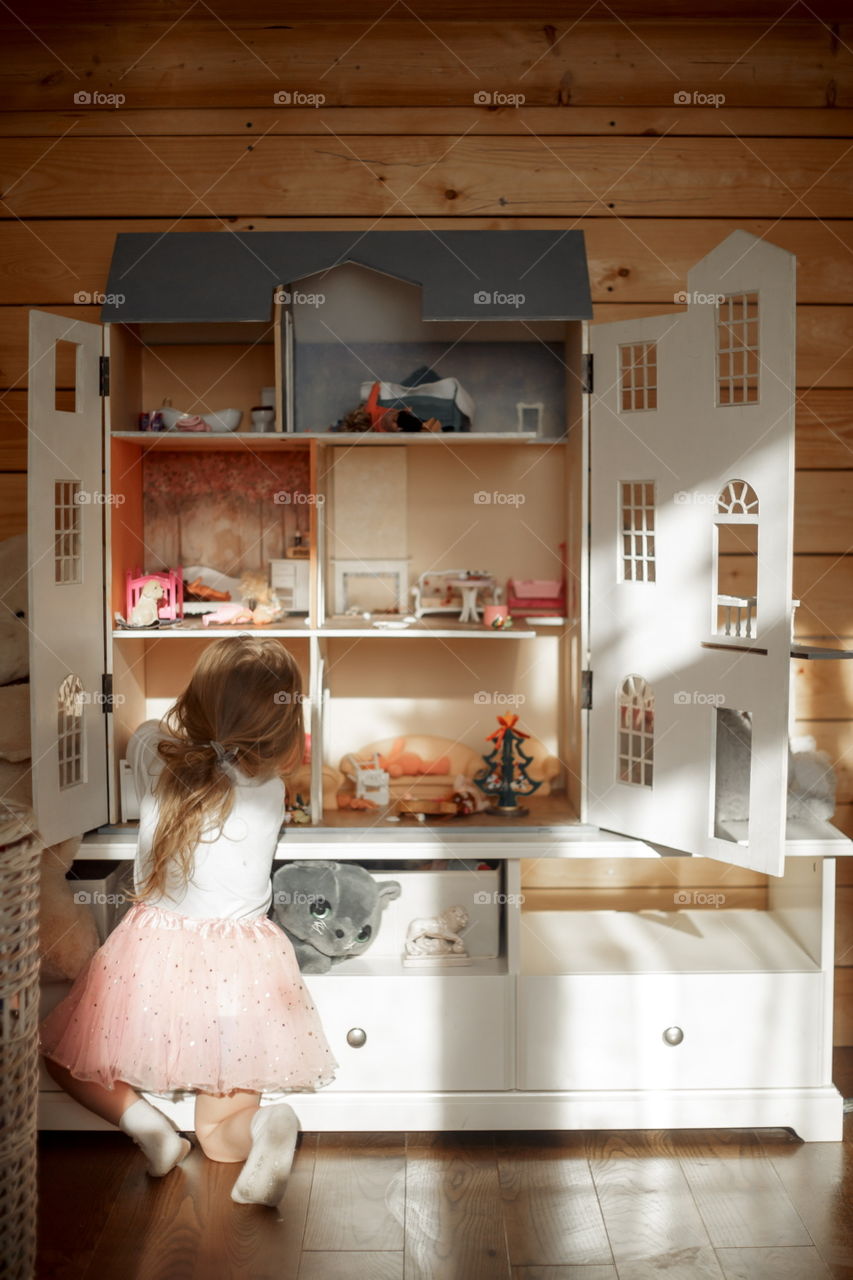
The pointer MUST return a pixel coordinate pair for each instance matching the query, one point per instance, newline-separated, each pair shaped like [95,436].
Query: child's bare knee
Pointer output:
[214,1148]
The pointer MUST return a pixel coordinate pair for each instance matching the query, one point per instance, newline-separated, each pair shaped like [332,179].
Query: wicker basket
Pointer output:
[20,856]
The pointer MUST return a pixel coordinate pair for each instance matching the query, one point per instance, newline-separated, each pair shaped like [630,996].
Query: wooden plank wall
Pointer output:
[395,135]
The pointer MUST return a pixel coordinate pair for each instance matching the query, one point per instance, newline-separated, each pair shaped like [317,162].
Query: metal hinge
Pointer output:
[107,692]
[586,691]
[586,374]
[104,376]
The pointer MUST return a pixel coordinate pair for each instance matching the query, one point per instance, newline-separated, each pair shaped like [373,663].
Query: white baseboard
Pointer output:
[816,1115]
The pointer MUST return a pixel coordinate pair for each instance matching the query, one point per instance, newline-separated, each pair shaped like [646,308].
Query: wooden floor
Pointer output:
[684,1205]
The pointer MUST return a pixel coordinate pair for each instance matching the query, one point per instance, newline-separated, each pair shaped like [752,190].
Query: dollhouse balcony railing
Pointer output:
[736,616]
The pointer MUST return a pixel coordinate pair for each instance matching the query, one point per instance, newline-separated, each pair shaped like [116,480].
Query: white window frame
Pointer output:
[636,697]
[740,343]
[643,384]
[740,507]
[637,525]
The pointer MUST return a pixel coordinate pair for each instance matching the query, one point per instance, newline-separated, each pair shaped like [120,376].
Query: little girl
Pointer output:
[197,988]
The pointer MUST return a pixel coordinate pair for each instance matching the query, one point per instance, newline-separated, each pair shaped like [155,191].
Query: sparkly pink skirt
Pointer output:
[171,1002]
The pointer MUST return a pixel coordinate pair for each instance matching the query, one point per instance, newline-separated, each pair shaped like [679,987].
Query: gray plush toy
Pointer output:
[330,911]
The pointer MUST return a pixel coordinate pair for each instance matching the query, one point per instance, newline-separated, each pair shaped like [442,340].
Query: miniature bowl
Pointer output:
[224,420]
[170,417]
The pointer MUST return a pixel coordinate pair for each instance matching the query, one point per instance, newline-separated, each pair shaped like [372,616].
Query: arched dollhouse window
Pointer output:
[69,731]
[636,728]
[736,559]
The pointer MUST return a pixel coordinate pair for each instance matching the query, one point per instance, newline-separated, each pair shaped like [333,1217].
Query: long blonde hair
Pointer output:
[245,693]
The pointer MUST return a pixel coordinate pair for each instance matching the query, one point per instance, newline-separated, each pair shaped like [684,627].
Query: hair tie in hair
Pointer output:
[223,756]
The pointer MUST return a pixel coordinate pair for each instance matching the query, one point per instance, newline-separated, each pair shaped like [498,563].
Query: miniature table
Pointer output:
[469,588]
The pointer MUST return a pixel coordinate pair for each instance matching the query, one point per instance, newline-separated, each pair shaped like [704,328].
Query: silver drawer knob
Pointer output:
[673,1035]
[356,1037]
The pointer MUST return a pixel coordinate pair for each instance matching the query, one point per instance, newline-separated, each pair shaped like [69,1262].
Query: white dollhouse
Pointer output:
[660,457]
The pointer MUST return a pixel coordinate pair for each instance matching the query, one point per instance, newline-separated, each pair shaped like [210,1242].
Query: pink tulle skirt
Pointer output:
[171,1002]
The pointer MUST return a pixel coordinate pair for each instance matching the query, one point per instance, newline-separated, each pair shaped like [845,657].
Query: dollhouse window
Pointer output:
[736,556]
[69,732]
[732,773]
[636,724]
[638,376]
[66,531]
[737,349]
[65,376]
[638,530]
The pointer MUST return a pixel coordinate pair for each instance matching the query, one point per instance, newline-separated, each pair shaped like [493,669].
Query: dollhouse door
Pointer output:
[691,533]
[66,596]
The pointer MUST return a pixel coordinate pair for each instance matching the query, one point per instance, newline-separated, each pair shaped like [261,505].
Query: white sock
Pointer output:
[264,1175]
[155,1135]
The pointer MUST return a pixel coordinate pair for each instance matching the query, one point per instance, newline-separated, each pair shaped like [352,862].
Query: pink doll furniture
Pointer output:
[172,582]
[535,597]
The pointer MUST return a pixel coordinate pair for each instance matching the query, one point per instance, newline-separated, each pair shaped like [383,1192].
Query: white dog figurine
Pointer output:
[145,611]
[437,938]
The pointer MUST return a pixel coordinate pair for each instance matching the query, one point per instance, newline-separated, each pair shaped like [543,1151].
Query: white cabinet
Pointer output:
[691,1017]
[662,448]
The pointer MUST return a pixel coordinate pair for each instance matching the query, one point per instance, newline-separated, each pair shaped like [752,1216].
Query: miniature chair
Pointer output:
[371,781]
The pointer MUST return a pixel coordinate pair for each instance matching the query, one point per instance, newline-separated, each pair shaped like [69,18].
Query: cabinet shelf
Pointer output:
[682,941]
[426,437]
[414,842]
[355,628]
[192,440]
[287,439]
[550,813]
[368,966]
[182,632]
[439,628]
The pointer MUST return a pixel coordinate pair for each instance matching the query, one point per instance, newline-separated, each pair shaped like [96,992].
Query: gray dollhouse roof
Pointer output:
[230,275]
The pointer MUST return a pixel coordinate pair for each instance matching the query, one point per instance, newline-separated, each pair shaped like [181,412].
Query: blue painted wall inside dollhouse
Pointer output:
[328,377]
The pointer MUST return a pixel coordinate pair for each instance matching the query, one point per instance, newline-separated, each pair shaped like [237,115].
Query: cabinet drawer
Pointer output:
[421,1033]
[603,1031]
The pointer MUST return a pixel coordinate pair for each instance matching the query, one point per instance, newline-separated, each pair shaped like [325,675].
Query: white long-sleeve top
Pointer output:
[231,875]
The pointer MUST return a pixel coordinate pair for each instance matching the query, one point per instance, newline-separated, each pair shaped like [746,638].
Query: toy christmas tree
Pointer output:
[505,774]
